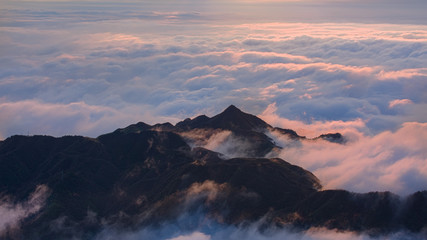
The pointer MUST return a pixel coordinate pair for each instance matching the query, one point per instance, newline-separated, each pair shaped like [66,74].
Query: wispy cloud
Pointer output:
[398,102]
[12,212]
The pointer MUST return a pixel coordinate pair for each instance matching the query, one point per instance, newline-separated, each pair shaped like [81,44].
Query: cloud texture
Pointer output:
[12,213]
[390,161]
[164,66]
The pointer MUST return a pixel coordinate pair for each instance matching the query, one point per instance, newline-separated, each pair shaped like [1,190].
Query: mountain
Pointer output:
[145,175]
[231,118]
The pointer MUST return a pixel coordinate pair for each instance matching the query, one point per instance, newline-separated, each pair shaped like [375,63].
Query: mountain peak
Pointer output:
[232,118]
[232,109]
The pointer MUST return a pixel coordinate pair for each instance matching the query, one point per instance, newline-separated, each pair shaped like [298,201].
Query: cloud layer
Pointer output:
[157,69]
[390,161]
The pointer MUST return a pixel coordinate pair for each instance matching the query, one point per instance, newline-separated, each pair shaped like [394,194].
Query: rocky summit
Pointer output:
[211,167]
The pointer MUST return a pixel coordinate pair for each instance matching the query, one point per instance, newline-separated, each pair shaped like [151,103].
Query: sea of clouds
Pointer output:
[66,70]
[89,68]
[71,71]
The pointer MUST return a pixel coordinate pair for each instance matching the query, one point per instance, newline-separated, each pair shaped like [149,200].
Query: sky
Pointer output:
[356,67]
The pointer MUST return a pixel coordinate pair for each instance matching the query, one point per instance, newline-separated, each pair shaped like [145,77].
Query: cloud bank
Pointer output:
[390,161]
[165,66]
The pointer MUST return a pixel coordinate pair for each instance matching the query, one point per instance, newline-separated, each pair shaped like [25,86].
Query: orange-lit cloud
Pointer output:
[312,130]
[406,73]
[389,161]
[398,102]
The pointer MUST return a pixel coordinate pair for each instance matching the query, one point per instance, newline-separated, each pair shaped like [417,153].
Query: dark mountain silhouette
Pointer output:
[332,137]
[231,118]
[145,175]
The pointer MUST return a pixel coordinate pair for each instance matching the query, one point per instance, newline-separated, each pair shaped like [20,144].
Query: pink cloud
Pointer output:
[110,40]
[306,96]
[389,161]
[310,130]
[406,73]
[326,67]
[350,31]
[275,89]
[398,102]
[275,54]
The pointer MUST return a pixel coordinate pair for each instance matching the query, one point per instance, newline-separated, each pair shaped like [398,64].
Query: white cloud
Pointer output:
[11,213]
[193,236]
[389,161]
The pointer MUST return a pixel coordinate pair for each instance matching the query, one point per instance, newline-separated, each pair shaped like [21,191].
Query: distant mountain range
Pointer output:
[144,175]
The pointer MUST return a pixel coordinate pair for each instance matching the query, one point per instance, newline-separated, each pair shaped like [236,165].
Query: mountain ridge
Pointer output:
[144,175]
[231,118]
